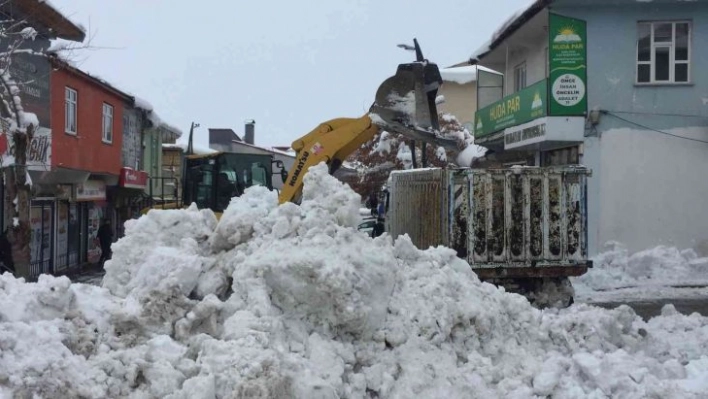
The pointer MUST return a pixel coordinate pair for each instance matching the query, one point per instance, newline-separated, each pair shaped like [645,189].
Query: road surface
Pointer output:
[649,308]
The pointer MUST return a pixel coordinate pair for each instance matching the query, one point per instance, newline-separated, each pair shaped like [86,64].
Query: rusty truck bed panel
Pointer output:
[496,218]
[420,198]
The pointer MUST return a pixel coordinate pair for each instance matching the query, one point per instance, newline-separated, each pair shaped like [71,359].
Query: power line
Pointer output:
[651,128]
[659,114]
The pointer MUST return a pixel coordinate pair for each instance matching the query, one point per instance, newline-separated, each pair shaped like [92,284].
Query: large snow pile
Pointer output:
[615,268]
[293,302]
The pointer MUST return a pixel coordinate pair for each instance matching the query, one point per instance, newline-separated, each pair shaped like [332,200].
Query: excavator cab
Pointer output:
[212,180]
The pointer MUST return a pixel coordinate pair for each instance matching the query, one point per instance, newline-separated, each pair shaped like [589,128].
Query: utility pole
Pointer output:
[190,145]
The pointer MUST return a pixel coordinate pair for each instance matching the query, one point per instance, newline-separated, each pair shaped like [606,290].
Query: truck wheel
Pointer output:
[552,292]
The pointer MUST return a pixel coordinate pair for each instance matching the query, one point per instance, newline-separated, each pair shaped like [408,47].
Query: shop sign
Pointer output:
[91,190]
[555,129]
[528,133]
[568,65]
[131,178]
[520,107]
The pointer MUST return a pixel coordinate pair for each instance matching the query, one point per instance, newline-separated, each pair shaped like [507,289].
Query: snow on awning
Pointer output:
[464,74]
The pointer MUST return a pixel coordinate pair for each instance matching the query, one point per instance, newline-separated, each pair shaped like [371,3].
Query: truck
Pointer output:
[523,228]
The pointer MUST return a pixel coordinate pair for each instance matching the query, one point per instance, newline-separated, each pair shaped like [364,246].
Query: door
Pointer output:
[41,237]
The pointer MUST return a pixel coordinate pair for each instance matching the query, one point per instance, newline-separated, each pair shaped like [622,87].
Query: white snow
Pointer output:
[152,115]
[464,74]
[196,148]
[486,47]
[617,274]
[28,33]
[292,301]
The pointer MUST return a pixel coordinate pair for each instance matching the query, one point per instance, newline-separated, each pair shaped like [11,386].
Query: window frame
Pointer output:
[671,45]
[520,67]
[75,102]
[107,115]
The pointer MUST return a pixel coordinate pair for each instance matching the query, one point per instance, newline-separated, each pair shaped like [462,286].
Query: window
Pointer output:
[70,102]
[561,157]
[520,77]
[107,123]
[663,52]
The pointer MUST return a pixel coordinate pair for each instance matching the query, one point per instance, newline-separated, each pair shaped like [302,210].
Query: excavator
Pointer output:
[404,103]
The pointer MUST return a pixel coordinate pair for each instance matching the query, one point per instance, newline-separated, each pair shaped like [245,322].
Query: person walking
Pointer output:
[105,238]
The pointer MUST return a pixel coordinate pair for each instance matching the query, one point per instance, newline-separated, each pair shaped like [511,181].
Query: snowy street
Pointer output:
[280,301]
[645,303]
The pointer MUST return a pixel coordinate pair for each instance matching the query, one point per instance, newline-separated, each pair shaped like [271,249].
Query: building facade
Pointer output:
[618,87]
[87,162]
[460,90]
[32,73]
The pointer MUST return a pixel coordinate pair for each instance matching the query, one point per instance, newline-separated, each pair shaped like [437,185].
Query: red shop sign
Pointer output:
[131,178]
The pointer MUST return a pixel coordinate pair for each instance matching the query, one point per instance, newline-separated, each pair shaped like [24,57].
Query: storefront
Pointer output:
[92,209]
[70,252]
[128,197]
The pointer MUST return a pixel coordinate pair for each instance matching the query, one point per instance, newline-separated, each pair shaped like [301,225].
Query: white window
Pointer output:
[664,52]
[520,77]
[70,103]
[107,123]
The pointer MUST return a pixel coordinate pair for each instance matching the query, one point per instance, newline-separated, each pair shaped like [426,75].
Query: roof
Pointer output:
[198,150]
[57,61]
[274,150]
[44,13]
[463,74]
[222,136]
[517,20]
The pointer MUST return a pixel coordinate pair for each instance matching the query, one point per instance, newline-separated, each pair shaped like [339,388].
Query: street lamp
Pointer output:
[190,147]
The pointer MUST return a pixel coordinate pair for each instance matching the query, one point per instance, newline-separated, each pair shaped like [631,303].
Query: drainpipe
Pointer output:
[506,72]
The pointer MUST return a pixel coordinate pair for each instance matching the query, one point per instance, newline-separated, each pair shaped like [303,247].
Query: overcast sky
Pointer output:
[288,65]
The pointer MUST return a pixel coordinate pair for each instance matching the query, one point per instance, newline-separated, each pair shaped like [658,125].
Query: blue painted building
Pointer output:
[619,86]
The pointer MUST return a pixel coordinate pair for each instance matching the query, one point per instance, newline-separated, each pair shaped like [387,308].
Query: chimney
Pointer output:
[250,131]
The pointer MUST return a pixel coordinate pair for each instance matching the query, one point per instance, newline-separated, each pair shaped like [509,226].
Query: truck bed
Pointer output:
[507,223]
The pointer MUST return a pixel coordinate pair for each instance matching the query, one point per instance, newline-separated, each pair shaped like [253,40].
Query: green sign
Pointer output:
[520,107]
[568,63]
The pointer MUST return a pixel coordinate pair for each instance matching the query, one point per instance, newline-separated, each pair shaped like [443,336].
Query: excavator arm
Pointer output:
[330,142]
[404,104]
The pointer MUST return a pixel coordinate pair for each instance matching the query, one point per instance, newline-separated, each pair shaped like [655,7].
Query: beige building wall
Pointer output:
[460,101]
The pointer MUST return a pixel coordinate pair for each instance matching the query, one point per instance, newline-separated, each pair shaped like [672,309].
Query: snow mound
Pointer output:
[292,301]
[616,268]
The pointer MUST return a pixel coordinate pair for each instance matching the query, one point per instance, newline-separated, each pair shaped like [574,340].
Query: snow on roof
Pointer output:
[489,44]
[270,149]
[153,117]
[56,9]
[62,28]
[199,150]
[464,74]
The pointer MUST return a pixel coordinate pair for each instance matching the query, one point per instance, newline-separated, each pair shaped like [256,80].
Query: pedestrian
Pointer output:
[6,254]
[373,203]
[105,238]
[378,227]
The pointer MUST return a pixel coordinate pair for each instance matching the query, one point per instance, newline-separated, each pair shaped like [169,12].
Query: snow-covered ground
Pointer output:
[657,273]
[291,301]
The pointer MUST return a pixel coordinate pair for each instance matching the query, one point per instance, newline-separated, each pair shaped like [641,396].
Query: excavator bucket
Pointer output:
[405,102]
